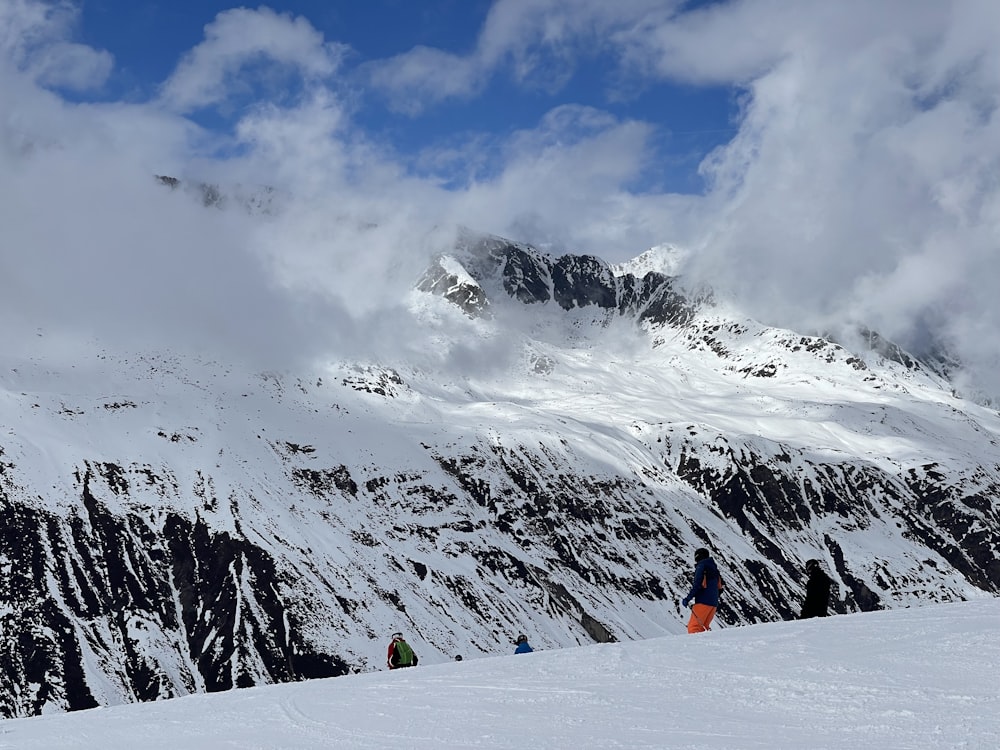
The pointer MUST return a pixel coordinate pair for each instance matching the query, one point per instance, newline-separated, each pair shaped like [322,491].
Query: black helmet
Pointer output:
[521,638]
[810,564]
[700,554]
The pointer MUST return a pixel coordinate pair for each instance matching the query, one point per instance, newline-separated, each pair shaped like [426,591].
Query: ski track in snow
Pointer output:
[913,679]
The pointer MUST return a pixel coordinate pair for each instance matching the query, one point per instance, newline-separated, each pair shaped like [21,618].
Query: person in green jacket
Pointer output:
[400,654]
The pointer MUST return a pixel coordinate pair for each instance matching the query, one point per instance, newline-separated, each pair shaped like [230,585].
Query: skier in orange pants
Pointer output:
[704,592]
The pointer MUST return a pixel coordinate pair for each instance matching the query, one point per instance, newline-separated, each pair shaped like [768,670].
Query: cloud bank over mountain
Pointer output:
[859,183]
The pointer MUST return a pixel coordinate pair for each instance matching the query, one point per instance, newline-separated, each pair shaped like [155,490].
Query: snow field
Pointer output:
[913,679]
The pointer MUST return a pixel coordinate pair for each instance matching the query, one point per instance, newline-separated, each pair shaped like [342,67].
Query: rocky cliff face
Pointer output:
[170,525]
[150,605]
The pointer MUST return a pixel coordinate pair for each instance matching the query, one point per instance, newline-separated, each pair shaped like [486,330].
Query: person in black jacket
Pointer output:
[817,591]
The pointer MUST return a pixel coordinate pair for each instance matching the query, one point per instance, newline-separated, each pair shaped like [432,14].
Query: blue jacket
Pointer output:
[705,586]
[523,648]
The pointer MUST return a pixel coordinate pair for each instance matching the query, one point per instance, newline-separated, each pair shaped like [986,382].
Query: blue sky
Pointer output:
[823,163]
[148,39]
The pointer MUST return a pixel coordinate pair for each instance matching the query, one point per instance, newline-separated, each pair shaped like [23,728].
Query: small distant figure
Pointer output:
[817,591]
[400,654]
[522,645]
[705,588]
[458,657]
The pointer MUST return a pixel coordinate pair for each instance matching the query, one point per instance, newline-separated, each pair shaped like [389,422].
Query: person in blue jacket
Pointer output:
[522,645]
[704,592]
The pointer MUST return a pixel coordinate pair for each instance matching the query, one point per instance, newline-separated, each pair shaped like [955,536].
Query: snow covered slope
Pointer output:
[915,678]
[175,524]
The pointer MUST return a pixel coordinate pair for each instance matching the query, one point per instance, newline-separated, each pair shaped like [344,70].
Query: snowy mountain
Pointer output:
[915,678]
[175,524]
[664,259]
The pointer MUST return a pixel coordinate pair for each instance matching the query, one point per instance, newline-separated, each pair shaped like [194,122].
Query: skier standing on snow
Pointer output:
[400,654]
[522,645]
[817,591]
[704,592]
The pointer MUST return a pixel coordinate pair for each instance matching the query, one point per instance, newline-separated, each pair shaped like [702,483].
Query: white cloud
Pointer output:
[861,184]
[94,247]
[740,40]
[236,40]
[33,40]
[425,75]
[71,66]
[538,42]
[564,184]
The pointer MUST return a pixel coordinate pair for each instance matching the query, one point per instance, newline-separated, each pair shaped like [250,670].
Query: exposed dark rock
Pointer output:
[468,297]
[582,280]
[116,577]
[379,380]
[572,281]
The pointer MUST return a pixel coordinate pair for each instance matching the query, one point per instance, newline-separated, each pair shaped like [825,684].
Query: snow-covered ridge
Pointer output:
[666,259]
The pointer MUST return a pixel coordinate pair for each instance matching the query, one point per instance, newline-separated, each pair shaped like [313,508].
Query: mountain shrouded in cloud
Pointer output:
[274,383]
[856,186]
[174,523]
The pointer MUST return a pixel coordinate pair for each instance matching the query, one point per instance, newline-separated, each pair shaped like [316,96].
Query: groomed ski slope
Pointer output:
[908,679]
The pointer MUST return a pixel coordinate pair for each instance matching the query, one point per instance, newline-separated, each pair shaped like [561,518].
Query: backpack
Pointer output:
[402,654]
